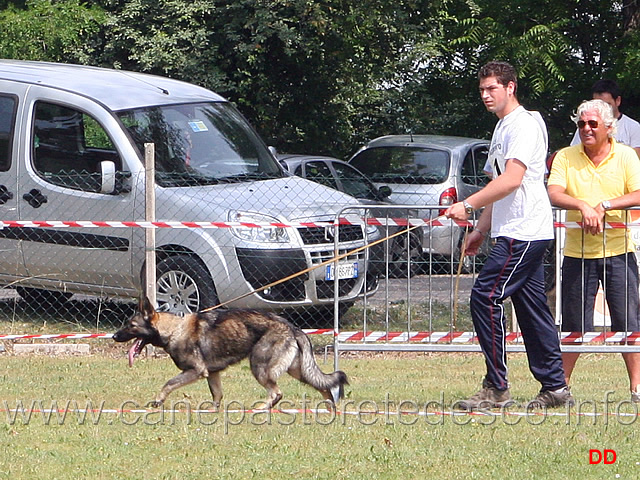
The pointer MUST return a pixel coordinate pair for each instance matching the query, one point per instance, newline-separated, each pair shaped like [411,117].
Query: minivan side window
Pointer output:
[68,146]
[7,122]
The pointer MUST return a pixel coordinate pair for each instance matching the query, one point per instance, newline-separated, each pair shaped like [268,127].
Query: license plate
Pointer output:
[345,270]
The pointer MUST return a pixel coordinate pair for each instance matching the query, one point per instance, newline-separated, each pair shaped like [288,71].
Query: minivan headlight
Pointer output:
[262,234]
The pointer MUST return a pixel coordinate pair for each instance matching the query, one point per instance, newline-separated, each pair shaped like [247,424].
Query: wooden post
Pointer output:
[150,216]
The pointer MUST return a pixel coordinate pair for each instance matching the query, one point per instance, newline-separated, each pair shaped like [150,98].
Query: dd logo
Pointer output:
[602,456]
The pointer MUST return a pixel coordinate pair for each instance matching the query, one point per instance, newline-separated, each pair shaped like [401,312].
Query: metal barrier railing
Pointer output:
[418,303]
[429,311]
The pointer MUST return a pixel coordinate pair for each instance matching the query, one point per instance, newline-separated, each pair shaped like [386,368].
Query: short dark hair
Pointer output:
[606,86]
[503,71]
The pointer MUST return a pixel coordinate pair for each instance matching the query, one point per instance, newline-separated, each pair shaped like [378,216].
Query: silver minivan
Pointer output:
[72,149]
[434,170]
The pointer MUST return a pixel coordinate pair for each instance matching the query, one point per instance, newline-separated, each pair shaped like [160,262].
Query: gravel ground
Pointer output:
[422,288]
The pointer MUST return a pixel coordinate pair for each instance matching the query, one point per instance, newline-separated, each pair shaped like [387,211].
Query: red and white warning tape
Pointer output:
[566,338]
[397,222]
[68,336]
[393,222]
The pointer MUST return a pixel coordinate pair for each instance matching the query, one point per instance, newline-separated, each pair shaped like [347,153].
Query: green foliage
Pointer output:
[166,37]
[324,76]
[49,30]
[560,49]
[299,69]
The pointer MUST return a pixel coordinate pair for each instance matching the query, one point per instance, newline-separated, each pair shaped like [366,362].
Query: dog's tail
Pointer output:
[333,383]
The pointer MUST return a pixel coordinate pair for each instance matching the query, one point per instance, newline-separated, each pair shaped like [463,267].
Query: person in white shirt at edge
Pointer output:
[517,212]
[628,131]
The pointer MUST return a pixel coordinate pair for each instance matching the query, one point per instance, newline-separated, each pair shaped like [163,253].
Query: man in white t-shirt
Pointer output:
[518,214]
[628,131]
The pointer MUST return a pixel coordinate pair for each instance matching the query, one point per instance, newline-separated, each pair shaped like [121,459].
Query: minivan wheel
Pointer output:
[40,297]
[183,285]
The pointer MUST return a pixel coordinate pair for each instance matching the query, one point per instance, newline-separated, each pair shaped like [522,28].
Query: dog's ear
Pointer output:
[145,307]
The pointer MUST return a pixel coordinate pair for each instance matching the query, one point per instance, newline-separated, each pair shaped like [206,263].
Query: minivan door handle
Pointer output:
[35,198]
[5,195]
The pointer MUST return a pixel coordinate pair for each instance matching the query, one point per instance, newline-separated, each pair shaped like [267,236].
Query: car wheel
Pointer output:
[40,297]
[469,264]
[398,254]
[183,285]
[466,261]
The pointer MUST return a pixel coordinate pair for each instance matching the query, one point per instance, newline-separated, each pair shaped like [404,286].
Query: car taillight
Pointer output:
[448,197]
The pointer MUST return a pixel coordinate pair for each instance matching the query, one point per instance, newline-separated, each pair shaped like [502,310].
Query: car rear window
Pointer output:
[404,165]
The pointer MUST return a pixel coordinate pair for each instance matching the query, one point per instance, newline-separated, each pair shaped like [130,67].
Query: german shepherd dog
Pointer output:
[204,344]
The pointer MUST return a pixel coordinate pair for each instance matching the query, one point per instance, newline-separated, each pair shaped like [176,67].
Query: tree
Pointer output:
[323,76]
[559,48]
[294,67]
[48,30]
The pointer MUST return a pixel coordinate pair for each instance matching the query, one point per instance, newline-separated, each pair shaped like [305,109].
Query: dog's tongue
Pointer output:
[133,351]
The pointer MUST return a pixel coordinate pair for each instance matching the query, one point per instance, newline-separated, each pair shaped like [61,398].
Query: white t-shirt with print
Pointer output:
[525,214]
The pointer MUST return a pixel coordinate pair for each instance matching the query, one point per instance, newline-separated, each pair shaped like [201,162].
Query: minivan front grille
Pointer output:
[323,235]
[322,256]
[263,267]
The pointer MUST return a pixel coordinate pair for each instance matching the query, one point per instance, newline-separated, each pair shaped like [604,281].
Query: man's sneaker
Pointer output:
[488,397]
[635,397]
[552,399]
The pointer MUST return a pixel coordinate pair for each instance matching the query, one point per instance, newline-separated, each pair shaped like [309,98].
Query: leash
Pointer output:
[463,252]
[326,262]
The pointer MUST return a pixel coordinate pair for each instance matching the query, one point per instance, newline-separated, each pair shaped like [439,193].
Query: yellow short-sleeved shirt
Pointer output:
[615,176]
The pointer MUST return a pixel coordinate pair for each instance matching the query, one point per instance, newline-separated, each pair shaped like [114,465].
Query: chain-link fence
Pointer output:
[231,227]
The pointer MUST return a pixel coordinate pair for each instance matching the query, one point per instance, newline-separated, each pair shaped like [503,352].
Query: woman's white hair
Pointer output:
[603,109]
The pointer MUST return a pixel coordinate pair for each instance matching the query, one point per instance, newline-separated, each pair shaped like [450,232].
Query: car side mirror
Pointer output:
[384,191]
[107,177]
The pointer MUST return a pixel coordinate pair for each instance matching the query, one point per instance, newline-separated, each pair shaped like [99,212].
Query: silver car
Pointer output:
[335,173]
[428,170]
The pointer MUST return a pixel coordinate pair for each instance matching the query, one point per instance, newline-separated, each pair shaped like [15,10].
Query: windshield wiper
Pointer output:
[247,176]
[175,179]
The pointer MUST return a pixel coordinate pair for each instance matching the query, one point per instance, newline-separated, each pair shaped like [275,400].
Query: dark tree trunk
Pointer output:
[631,15]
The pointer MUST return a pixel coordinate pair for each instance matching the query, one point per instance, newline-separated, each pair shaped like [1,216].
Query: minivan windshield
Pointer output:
[200,144]
[403,164]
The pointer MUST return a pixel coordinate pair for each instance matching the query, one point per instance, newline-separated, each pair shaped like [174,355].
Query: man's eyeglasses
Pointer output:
[591,123]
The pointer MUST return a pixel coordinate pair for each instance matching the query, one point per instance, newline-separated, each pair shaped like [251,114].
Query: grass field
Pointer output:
[126,441]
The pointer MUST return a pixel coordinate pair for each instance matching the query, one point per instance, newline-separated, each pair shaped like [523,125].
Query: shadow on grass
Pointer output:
[85,315]
[427,317]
